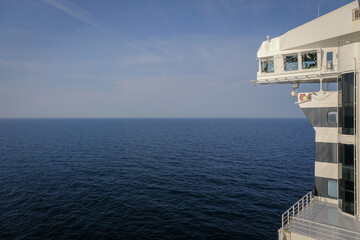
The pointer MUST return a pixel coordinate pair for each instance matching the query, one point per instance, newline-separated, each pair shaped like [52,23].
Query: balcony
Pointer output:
[316,218]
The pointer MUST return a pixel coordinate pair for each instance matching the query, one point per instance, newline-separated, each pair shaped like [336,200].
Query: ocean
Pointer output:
[151,178]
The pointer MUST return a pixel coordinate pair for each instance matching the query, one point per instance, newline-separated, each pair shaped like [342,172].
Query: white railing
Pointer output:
[321,231]
[311,229]
[296,208]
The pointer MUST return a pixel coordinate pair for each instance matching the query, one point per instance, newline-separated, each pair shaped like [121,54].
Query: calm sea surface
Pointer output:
[151,178]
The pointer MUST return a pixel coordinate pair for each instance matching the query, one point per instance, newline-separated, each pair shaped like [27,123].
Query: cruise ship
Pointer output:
[326,53]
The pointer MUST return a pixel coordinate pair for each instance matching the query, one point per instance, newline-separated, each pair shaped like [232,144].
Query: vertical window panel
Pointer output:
[346,183]
[346,104]
[332,188]
[329,60]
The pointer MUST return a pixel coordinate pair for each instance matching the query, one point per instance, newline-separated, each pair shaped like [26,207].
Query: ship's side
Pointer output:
[323,51]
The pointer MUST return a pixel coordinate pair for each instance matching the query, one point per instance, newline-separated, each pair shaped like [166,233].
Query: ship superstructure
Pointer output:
[323,51]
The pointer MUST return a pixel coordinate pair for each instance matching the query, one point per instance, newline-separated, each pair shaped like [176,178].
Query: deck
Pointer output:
[323,220]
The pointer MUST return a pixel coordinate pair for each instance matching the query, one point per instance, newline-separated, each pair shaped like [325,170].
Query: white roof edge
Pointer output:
[327,28]
[319,18]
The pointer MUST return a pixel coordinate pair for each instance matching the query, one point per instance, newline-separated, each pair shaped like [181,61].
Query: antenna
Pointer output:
[319,9]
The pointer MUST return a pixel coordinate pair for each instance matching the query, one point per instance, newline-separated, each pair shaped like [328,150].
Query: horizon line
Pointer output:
[1,118]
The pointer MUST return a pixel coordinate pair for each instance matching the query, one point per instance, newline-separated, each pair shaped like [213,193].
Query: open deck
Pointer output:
[321,219]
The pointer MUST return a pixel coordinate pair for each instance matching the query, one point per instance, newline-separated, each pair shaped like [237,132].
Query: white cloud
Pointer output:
[72,10]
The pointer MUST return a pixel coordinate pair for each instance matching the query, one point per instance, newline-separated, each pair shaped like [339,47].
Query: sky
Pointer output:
[144,58]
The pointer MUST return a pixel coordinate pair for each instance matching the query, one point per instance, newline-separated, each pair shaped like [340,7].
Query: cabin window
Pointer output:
[291,62]
[267,65]
[309,60]
[332,188]
[329,60]
[332,117]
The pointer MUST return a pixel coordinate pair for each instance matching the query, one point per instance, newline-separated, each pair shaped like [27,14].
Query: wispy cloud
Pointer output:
[234,6]
[24,65]
[72,10]
[192,55]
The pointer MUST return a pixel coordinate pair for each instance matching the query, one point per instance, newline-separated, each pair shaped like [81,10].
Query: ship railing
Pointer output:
[296,208]
[321,231]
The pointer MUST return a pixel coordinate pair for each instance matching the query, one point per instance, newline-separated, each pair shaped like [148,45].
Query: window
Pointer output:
[267,65]
[291,62]
[348,202]
[356,14]
[332,117]
[346,107]
[332,188]
[309,60]
[348,155]
[329,60]
[346,183]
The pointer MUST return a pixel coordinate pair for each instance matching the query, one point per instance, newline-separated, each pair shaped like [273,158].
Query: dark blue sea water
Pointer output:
[151,178]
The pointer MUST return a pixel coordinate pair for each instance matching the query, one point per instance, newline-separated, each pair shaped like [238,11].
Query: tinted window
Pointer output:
[291,62]
[346,104]
[267,65]
[332,117]
[348,202]
[346,154]
[346,183]
[309,60]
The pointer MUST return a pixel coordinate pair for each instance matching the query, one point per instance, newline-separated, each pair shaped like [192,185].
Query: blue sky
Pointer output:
[110,58]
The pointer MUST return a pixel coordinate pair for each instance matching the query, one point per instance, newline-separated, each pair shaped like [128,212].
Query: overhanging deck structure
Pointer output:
[286,59]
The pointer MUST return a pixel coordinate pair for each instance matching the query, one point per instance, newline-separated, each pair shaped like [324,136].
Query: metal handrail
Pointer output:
[328,230]
[311,228]
[295,209]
